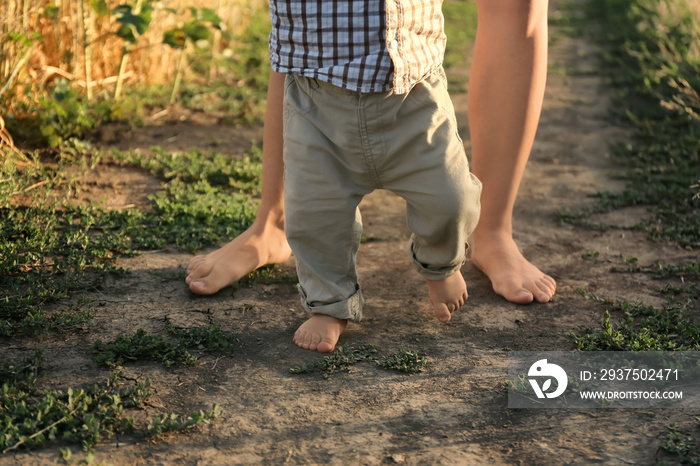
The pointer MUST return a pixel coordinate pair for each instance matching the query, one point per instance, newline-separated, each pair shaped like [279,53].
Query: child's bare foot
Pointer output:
[447,295]
[320,333]
[511,275]
[257,246]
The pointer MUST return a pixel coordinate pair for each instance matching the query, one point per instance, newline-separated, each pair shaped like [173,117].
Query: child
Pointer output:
[366,107]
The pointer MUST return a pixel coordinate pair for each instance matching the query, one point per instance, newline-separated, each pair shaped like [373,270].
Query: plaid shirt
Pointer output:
[361,45]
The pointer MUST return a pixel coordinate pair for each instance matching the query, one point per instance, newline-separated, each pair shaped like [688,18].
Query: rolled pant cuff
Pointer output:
[433,273]
[429,274]
[350,308]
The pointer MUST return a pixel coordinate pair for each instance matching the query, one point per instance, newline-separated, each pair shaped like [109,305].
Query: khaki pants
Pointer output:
[340,145]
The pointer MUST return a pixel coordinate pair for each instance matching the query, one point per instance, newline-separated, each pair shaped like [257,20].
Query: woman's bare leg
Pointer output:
[264,242]
[506,90]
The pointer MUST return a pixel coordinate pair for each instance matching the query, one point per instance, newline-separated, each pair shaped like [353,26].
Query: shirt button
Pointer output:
[394,44]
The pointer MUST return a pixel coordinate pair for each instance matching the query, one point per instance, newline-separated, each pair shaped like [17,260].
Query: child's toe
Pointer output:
[442,312]
[326,345]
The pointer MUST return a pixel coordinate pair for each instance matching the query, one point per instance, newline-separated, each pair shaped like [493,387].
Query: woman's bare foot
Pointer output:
[259,245]
[320,333]
[447,295]
[511,275]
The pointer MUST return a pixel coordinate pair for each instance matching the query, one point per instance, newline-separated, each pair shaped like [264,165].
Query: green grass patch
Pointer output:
[31,418]
[688,271]
[171,422]
[48,251]
[54,251]
[650,58]
[672,327]
[339,360]
[143,346]
[460,28]
[210,338]
[407,361]
[205,198]
[675,326]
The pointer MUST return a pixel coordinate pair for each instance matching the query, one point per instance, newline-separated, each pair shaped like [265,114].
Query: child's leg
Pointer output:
[322,193]
[325,258]
[431,171]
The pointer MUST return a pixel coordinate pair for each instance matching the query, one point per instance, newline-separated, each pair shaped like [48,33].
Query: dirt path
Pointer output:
[455,412]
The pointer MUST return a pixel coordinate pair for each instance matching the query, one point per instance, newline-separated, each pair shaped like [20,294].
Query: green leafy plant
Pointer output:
[30,418]
[210,337]
[407,361]
[65,115]
[681,446]
[170,422]
[143,346]
[340,360]
[645,328]
[133,23]
[85,416]
[344,356]
[58,115]
[192,32]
